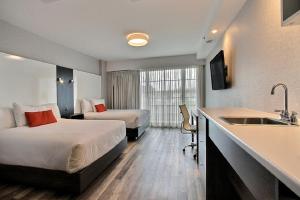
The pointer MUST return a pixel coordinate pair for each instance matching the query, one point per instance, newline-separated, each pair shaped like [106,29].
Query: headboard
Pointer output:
[26,81]
[88,86]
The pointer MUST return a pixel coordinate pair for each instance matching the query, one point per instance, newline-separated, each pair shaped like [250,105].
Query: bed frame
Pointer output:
[59,180]
[135,133]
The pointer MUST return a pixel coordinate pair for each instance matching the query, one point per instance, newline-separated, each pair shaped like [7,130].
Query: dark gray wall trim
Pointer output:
[65,91]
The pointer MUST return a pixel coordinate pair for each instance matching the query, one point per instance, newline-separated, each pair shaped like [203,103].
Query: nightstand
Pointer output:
[77,116]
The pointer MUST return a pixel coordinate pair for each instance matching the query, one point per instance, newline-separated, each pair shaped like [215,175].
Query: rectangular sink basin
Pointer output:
[252,120]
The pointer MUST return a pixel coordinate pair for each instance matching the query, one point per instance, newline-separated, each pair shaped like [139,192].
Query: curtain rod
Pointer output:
[159,67]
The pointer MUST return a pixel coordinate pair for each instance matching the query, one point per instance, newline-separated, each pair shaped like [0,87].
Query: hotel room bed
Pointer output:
[136,120]
[66,155]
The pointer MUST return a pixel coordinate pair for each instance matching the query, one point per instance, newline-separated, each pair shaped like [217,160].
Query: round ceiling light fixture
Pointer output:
[137,39]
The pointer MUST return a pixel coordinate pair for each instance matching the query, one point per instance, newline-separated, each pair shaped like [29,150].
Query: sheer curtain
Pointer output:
[162,90]
[123,90]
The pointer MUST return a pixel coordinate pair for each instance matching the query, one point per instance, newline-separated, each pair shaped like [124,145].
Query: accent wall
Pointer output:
[259,53]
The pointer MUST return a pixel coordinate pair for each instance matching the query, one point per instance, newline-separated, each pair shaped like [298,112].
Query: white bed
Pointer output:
[68,145]
[132,118]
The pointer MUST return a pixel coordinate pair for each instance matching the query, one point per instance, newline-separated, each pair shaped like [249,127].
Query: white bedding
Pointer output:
[132,118]
[68,145]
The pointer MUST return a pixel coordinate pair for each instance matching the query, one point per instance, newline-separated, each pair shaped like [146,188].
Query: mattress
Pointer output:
[132,118]
[68,145]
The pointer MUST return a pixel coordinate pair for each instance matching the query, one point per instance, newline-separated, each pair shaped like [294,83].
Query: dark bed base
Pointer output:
[135,133]
[59,180]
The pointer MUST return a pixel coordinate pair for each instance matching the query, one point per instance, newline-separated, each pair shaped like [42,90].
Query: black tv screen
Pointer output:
[218,72]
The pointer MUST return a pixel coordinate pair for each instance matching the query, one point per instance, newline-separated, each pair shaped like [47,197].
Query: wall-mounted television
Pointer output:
[218,72]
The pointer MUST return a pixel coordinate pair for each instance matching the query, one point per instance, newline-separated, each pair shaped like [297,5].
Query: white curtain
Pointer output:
[123,90]
[162,90]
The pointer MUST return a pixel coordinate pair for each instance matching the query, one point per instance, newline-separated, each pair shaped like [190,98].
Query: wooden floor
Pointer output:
[154,167]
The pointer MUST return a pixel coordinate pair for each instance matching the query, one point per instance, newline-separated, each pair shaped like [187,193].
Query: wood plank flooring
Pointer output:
[152,168]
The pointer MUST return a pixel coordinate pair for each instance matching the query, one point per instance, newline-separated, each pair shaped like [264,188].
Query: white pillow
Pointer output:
[7,119]
[19,112]
[54,108]
[86,106]
[96,102]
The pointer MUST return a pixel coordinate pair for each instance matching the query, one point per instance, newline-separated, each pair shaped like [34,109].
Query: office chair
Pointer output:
[187,126]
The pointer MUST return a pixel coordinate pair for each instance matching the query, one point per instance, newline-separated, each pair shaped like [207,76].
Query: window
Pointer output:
[163,90]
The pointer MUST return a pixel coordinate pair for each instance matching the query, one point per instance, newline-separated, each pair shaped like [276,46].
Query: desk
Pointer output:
[249,162]
[195,115]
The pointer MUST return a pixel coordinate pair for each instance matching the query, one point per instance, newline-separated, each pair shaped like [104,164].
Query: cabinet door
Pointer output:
[290,12]
[202,150]
[252,175]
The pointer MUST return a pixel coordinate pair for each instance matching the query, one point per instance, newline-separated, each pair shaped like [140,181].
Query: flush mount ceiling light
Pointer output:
[137,39]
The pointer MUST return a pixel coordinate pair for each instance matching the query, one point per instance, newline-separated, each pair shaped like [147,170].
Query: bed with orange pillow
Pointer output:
[48,151]
[137,121]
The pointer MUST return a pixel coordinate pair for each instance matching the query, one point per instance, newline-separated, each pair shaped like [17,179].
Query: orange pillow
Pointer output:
[100,108]
[40,118]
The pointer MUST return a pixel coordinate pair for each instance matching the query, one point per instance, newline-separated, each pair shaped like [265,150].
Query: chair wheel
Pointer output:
[183,150]
[195,156]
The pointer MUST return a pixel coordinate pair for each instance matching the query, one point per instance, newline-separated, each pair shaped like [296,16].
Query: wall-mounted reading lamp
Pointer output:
[60,80]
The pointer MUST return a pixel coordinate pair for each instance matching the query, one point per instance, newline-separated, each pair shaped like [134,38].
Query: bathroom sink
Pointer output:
[252,120]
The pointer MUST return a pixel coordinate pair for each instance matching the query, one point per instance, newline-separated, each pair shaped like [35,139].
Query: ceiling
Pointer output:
[98,27]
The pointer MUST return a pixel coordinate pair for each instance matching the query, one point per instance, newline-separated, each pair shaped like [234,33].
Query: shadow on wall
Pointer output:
[230,54]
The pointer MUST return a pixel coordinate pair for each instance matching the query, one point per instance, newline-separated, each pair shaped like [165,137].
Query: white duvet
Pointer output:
[132,118]
[68,145]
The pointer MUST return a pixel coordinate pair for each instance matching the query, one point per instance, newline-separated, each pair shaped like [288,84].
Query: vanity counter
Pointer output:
[275,147]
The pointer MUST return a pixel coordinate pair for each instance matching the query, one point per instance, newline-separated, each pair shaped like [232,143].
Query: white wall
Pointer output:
[14,40]
[86,86]
[103,66]
[259,53]
[134,64]
[26,81]
[32,82]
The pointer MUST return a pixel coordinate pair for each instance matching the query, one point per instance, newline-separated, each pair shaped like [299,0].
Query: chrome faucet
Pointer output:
[285,116]
[284,113]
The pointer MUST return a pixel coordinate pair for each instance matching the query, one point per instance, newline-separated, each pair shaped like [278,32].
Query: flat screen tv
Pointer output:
[218,72]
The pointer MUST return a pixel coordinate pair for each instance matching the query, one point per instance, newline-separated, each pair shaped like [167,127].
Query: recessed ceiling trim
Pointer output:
[98,29]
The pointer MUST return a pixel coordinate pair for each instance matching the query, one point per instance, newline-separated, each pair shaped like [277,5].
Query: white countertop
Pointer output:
[276,147]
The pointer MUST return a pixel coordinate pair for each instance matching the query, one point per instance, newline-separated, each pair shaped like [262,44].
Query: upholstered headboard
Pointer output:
[88,86]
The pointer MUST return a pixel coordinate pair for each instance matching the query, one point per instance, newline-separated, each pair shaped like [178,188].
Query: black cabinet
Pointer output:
[232,173]
[290,12]
[77,116]
[74,116]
